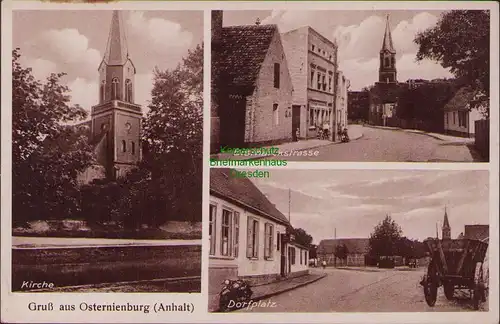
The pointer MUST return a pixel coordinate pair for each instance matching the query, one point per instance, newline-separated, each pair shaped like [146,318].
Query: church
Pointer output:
[115,125]
[384,93]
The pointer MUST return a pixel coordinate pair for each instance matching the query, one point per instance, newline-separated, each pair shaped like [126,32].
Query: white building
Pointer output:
[249,237]
[459,120]
[341,99]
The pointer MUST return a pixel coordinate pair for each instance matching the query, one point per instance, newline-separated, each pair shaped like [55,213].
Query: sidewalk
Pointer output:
[279,287]
[355,132]
[442,137]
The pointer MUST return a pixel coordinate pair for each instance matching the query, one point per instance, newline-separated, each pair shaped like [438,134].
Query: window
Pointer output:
[301,260]
[269,234]
[226,243]
[387,63]
[292,255]
[275,114]
[319,81]
[393,61]
[454,118]
[211,228]
[324,82]
[312,79]
[124,146]
[447,120]
[102,93]
[252,238]
[236,233]
[114,89]
[462,119]
[312,47]
[128,90]
[330,84]
[306,258]
[132,144]
[311,117]
[278,241]
[276,75]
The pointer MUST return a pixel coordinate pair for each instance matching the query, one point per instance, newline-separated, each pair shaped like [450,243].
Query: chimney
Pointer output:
[257,22]
[217,16]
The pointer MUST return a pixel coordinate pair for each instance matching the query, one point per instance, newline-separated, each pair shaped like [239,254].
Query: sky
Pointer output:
[74,42]
[355,201]
[359,35]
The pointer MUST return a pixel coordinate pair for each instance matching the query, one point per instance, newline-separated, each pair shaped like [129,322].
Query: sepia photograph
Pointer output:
[349,241]
[107,132]
[360,86]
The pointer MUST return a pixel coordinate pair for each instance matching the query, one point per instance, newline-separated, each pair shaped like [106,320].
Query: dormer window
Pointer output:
[114,89]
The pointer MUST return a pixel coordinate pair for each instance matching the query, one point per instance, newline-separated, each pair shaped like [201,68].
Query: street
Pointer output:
[385,145]
[370,290]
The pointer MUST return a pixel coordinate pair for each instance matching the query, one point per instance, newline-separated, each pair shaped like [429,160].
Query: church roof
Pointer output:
[239,55]
[387,43]
[446,223]
[116,49]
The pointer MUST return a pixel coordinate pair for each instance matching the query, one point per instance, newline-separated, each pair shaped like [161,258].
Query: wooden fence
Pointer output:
[482,138]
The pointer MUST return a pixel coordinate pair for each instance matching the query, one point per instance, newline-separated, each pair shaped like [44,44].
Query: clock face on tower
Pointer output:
[128,126]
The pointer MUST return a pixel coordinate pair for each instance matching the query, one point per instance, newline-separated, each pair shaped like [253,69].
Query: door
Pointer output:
[289,259]
[232,122]
[296,121]
[282,257]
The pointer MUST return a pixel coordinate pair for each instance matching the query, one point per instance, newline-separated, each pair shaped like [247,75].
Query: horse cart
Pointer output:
[456,264]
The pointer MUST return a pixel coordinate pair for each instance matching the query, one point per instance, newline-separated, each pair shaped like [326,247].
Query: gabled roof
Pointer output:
[238,56]
[477,232]
[387,43]
[354,245]
[460,101]
[242,192]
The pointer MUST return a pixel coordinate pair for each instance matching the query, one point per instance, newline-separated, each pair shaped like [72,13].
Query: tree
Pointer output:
[385,238]
[302,237]
[172,141]
[341,251]
[47,154]
[313,251]
[460,41]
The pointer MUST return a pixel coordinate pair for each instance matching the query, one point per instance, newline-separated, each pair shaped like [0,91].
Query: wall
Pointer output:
[452,126]
[298,266]
[482,138]
[260,104]
[295,46]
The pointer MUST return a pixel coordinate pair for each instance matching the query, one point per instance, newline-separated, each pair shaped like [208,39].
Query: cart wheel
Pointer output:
[431,285]
[449,289]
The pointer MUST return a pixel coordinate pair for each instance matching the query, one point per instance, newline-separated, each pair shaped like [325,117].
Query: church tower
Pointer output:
[446,235]
[116,120]
[387,70]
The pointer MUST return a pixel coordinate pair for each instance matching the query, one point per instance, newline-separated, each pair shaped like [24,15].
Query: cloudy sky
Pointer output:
[355,201]
[359,35]
[74,42]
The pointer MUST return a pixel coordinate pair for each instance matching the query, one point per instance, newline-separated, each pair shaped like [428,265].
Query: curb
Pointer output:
[283,290]
[413,131]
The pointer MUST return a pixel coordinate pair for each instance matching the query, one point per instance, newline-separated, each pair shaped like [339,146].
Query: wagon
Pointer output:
[455,264]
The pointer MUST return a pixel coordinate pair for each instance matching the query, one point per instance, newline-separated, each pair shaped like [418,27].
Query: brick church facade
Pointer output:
[115,124]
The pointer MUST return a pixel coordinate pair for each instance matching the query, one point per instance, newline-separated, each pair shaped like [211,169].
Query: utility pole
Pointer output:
[289,202]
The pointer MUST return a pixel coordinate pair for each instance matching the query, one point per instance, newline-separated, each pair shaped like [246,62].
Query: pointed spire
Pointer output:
[387,44]
[446,223]
[116,49]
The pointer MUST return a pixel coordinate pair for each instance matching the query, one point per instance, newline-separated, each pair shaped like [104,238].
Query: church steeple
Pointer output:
[116,49]
[116,120]
[387,69]
[446,226]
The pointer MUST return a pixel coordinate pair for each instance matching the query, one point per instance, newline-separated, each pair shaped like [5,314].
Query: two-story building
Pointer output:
[249,238]
[252,88]
[312,61]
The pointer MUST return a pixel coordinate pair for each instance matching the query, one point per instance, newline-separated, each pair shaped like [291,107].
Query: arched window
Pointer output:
[128,90]
[133,148]
[387,62]
[393,60]
[114,89]
[102,91]
[124,146]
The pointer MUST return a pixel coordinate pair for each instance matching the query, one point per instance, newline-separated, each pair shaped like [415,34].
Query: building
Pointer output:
[312,61]
[359,105]
[249,237]
[252,85]
[115,124]
[459,119]
[357,250]
[385,93]
[341,99]
[446,230]
[477,232]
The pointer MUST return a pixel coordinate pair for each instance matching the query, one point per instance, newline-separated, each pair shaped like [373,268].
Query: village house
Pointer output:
[249,237]
[341,100]
[115,126]
[357,250]
[459,119]
[312,60]
[252,88]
